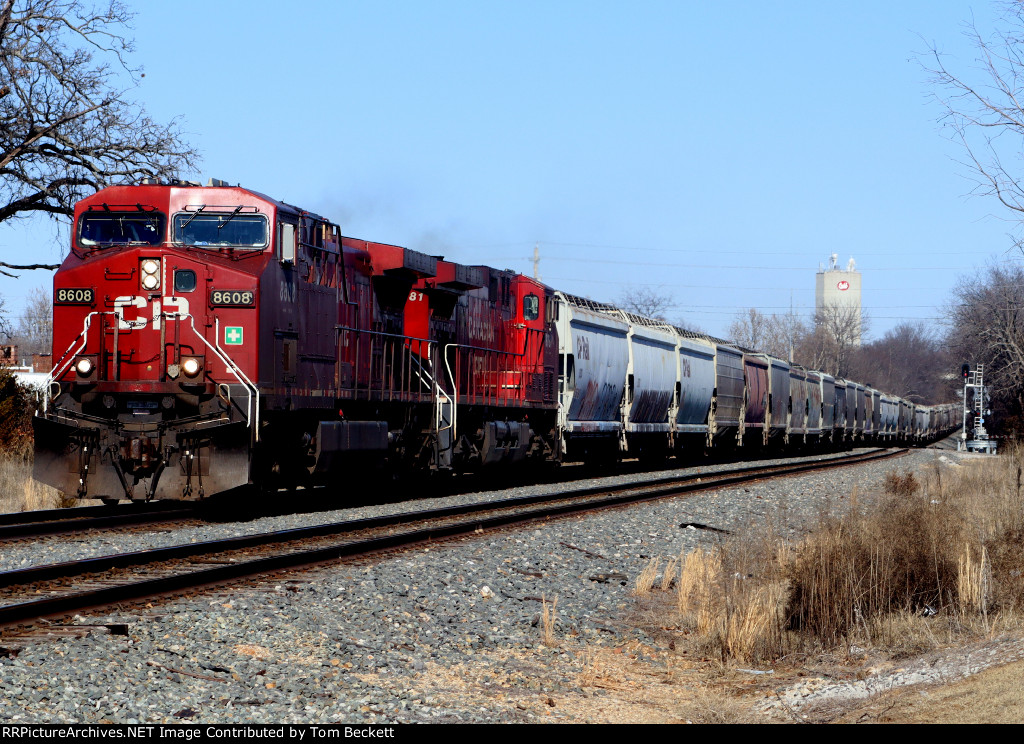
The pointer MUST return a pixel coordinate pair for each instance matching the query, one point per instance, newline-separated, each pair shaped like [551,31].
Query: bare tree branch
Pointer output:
[34,331]
[67,124]
[25,267]
[777,335]
[986,319]
[982,107]
[646,302]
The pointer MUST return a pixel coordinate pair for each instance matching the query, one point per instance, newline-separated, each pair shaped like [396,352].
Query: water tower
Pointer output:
[837,295]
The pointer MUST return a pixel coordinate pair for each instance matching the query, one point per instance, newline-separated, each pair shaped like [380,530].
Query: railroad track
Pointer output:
[23,526]
[20,525]
[57,589]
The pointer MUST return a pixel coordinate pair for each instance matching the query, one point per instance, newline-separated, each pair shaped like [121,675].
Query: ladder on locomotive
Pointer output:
[444,412]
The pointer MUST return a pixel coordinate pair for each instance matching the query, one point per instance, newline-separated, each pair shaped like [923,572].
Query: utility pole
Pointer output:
[790,326]
[536,261]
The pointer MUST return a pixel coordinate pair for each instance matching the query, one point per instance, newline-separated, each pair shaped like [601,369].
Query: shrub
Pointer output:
[16,406]
[947,541]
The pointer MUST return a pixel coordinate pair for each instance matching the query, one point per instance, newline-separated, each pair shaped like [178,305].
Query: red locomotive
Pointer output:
[211,337]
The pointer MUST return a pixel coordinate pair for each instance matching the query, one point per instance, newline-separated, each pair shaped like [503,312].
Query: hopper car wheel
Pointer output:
[110,502]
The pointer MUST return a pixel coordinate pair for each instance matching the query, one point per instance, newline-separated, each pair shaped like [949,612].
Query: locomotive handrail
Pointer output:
[252,409]
[428,341]
[455,391]
[84,335]
[252,405]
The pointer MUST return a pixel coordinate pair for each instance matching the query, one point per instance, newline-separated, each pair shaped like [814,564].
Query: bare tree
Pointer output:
[750,329]
[987,326]
[817,350]
[984,107]
[910,361]
[777,335]
[838,330]
[67,124]
[984,111]
[34,331]
[5,327]
[646,302]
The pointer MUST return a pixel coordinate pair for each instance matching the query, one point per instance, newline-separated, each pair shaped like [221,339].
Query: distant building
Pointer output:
[8,355]
[837,298]
[42,362]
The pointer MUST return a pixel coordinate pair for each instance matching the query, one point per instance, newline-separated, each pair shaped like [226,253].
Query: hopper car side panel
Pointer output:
[828,404]
[756,374]
[839,421]
[651,379]
[798,401]
[779,397]
[696,385]
[594,352]
[814,408]
[729,388]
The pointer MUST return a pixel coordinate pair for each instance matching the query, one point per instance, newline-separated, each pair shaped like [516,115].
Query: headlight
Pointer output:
[150,273]
[191,366]
[84,366]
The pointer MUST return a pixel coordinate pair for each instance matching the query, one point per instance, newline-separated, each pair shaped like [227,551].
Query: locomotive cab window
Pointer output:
[531,307]
[208,229]
[286,242]
[121,228]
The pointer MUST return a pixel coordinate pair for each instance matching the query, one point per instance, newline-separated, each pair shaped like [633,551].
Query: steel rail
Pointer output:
[573,502]
[58,521]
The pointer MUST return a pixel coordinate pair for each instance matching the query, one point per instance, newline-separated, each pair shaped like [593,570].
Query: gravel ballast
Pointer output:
[450,632]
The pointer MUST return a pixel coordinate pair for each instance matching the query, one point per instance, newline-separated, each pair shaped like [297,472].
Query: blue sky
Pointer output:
[716,152]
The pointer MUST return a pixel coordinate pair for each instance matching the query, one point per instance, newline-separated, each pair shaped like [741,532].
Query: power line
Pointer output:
[660,264]
[711,251]
[673,285]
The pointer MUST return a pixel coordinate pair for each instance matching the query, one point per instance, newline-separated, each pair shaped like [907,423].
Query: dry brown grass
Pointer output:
[669,575]
[548,618]
[730,609]
[710,705]
[901,484]
[922,548]
[18,492]
[948,542]
[992,696]
[645,581]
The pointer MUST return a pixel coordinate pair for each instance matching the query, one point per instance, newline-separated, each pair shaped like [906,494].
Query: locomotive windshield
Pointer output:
[121,228]
[219,229]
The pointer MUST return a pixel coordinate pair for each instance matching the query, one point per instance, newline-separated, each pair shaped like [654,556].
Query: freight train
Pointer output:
[210,337]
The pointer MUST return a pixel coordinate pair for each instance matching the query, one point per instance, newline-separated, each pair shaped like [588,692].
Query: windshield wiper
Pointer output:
[185,224]
[230,217]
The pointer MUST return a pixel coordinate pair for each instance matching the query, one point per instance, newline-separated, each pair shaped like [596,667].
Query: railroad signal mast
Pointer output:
[979,441]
